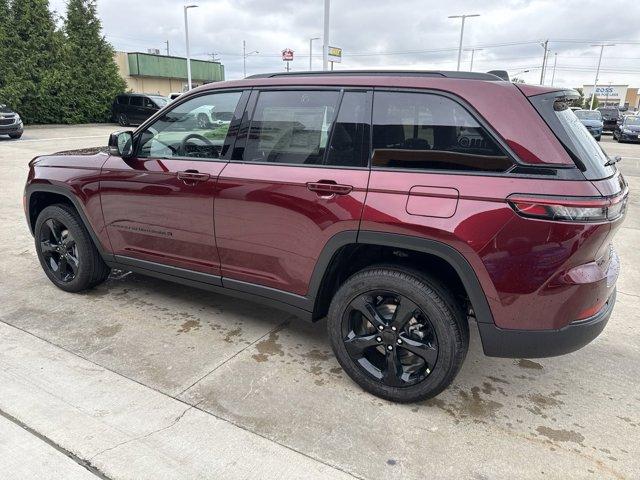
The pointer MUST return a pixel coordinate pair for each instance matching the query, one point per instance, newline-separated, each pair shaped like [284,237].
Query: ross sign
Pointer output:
[287,55]
[608,93]
[335,54]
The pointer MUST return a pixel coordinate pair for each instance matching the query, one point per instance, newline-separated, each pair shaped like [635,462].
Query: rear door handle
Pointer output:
[192,176]
[329,188]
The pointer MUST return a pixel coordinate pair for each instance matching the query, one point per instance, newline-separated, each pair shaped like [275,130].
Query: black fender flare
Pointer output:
[67,193]
[446,252]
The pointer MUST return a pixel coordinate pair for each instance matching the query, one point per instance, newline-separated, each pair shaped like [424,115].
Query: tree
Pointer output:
[92,78]
[33,53]
[4,39]
[578,102]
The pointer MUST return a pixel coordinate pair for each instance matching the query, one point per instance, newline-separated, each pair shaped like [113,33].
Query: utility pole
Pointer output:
[186,34]
[473,52]
[325,38]
[167,44]
[463,17]
[545,45]
[595,83]
[555,63]
[311,52]
[244,57]
[213,56]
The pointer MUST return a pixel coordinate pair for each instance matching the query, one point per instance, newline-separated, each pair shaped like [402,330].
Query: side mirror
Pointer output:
[121,144]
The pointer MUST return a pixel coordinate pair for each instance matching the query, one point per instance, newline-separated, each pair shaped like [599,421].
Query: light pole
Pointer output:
[544,45]
[595,83]
[186,35]
[473,52]
[325,38]
[555,63]
[311,52]
[244,57]
[463,17]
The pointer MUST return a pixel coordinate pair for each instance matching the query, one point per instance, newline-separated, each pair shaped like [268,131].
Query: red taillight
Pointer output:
[569,209]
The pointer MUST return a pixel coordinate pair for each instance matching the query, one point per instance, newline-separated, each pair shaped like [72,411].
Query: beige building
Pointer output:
[162,74]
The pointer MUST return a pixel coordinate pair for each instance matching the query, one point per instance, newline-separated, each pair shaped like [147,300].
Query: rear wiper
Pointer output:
[613,161]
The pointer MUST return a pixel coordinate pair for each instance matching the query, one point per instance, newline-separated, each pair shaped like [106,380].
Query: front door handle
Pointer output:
[329,188]
[192,176]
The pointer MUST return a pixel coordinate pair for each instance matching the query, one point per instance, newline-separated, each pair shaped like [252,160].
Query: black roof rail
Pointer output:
[385,73]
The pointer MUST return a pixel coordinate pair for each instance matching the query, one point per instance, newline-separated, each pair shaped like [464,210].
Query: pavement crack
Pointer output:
[146,435]
[277,328]
[629,294]
[86,464]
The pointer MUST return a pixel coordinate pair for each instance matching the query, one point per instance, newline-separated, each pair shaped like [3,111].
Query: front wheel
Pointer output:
[123,120]
[398,334]
[15,136]
[598,138]
[66,252]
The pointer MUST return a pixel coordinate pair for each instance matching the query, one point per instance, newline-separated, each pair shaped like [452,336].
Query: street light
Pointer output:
[244,57]
[186,35]
[473,52]
[311,52]
[463,17]
[595,83]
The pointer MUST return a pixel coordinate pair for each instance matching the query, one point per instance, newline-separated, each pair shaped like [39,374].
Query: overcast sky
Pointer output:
[403,34]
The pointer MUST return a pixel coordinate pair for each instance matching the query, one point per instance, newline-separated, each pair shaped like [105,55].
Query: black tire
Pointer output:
[432,312]
[123,120]
[15,136]
[59,232]
[598,138]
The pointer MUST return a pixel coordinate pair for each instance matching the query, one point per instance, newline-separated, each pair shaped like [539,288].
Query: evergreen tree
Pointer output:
[4,39]
[92,78]
[33,52]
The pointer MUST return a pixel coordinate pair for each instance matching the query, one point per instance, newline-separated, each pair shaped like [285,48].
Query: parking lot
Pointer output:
[140,378]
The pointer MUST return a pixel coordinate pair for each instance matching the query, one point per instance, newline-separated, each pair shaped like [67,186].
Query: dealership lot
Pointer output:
[140,378]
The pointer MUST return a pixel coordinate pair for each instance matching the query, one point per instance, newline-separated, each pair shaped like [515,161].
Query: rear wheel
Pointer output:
[397,333]
[598,138]
[66,252]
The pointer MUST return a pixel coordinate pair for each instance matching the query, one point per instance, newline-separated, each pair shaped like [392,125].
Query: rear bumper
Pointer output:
[499,342]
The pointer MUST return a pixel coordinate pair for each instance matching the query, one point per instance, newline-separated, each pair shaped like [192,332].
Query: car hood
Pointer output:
[6,110]
[591,123]
[633,128]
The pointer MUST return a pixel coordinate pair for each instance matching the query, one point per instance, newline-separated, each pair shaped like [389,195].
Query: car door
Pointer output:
[297,178]
[158,205]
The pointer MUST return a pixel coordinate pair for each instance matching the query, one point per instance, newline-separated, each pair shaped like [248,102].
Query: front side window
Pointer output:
[191,129]
[426,131]
[291,127]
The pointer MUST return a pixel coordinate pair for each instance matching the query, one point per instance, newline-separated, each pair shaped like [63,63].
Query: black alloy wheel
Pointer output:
[123,120]
[66,251]
[59,250]
[398,332]
[390,338]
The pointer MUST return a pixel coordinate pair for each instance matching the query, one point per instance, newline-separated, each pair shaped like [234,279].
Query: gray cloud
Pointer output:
[406,34]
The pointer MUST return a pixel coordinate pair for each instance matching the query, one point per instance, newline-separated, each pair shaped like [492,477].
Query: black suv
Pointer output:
[10,122]
[610,118]
[135,108]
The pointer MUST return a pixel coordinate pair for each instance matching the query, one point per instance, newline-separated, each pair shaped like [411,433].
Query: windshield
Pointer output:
[588,115]
[632,121]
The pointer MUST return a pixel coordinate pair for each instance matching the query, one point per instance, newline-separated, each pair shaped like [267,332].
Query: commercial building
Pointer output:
[615,95]
[163,74]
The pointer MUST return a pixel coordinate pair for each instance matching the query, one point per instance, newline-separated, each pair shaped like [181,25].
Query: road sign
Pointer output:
[287,55]
[335,54]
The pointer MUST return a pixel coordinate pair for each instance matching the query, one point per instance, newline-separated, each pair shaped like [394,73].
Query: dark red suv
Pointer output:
[398,205]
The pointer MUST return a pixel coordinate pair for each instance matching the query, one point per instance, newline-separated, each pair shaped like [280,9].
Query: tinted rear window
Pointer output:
[576,139]
[136,101]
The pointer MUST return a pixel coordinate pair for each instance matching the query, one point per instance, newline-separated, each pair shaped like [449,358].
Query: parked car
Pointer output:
[628,130]
[10,122]
[610,117]
[135,108]
[403,207]
[592,120]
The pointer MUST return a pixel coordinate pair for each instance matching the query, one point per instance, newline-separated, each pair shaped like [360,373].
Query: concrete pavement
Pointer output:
[146,379]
